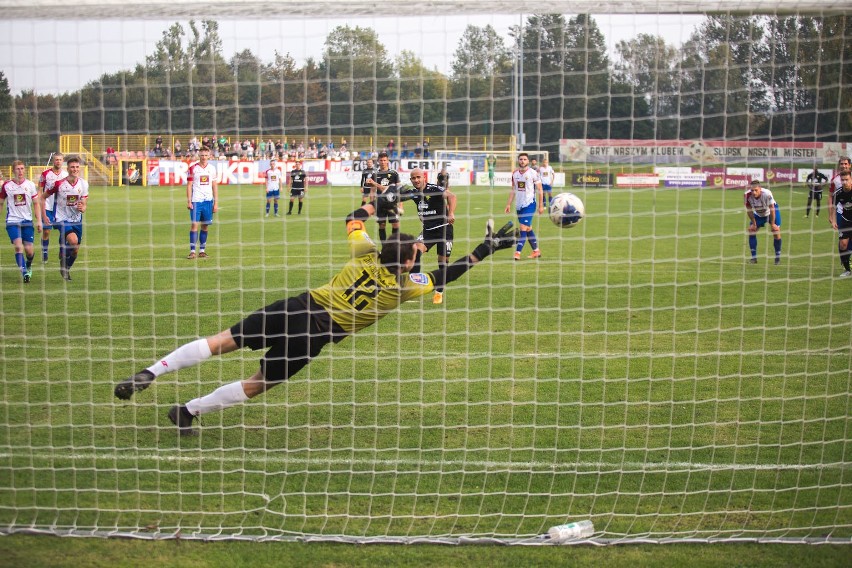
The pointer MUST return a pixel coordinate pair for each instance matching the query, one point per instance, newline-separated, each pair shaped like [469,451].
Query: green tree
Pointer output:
[647,65]
[359,85]
[481,84]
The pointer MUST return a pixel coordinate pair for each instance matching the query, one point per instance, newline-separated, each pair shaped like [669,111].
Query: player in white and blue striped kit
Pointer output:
[762,208]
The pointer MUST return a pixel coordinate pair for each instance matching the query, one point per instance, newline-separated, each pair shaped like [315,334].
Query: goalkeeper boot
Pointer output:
[182,418]
[138,382]
[438,298]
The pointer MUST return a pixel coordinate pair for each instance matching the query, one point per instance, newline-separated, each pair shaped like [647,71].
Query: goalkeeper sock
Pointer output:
[220,399]
[193,236]
[187,355]
[752,245]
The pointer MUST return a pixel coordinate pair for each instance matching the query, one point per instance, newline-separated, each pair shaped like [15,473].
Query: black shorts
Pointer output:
[442,238]
[294,192]
[388,216]
[844,230]
[815,194]
[294,330]
[365,191]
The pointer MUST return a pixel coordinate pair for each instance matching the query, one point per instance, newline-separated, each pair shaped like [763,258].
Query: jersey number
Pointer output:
[358,296]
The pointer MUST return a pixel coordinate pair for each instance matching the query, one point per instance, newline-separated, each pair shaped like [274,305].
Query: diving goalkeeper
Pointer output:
[294,330]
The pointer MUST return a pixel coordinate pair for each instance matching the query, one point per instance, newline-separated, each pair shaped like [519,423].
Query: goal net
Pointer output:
[642,374]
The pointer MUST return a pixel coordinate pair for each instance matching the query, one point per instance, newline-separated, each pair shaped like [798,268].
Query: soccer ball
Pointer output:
[567,210]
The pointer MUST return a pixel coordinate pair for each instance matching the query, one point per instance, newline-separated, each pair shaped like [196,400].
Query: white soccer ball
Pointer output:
[567,210]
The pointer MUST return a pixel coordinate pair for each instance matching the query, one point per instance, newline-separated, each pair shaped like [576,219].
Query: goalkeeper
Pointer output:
[294,330]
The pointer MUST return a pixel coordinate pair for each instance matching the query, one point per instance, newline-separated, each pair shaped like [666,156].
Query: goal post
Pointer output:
[659,371]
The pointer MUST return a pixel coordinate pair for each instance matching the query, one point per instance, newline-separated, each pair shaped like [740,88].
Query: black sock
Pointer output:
[383,234]
[300,208]
[290,208]
[844,259]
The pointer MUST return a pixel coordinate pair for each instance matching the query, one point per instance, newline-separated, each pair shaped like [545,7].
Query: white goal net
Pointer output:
[658,370]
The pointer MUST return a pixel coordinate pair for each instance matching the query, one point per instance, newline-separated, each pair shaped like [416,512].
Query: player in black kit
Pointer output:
[436,207]
[840,216]
[367,194]
[298,186]
[385,179]
[815,180]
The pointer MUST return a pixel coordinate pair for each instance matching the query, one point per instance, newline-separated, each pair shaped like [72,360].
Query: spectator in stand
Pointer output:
[261,149]
[205,142]
[404,150]
[159,141]
[250,151]
[279,149]
[390,147]
[110,155]
[270,149]
[178,149]
[425,148]
[418,151]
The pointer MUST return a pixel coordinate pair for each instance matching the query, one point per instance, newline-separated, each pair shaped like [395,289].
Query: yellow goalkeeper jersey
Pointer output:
[364,291]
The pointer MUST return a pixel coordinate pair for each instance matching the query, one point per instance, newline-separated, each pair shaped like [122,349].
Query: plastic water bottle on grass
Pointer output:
[571,531]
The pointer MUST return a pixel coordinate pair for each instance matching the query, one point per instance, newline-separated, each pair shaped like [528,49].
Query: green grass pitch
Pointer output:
[640,374]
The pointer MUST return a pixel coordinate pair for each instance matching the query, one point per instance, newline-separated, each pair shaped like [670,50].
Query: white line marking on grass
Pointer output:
[624,467]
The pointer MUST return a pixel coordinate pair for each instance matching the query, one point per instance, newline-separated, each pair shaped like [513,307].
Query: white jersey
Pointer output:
[202,179]
[523,184]
[762,205]
[273,179]
[835,183]
[19,204]
[67,197]
[46,180]
[546,174]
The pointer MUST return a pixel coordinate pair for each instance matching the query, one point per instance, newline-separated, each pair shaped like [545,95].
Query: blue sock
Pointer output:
[276,208]
[193,236]
[69,260]
[44,243]
[752,245]
[533,240]
[777,244]
[267,208]
[522,239]
[202,240]
[19,260]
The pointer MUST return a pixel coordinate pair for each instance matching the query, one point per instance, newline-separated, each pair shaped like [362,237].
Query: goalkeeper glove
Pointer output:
[502,239]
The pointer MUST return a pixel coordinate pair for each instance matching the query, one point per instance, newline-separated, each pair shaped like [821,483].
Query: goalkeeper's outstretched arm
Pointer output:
[502,239]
